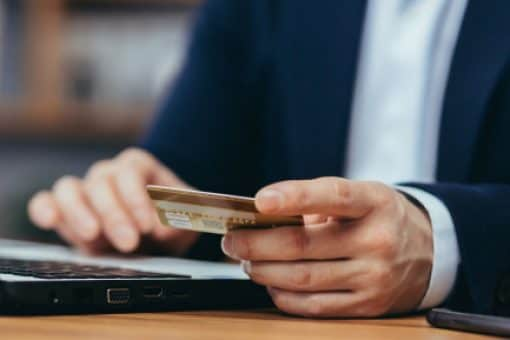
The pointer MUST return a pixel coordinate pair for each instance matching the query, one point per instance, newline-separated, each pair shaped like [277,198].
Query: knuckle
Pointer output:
[131,184]
[385,243]
[342,190]
[66,182]
[381,276]
[243,246]
[99,169]
[300,198]
[385,196]
[95,186]
[100,194]
[299,242]
[133,154]
[302,278]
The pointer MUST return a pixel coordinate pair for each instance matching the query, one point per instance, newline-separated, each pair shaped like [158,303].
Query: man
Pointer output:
[306,95]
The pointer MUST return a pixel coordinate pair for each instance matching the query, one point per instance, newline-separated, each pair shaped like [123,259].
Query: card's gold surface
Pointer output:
[211,212]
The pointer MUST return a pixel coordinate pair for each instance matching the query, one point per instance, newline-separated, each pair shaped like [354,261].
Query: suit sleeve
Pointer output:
[206,126]
[481,216]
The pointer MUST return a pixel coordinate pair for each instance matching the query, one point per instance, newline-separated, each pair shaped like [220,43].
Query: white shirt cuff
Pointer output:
[446,250]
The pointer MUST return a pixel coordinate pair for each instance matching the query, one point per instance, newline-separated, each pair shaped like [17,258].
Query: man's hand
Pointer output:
[110,206]
[364,250]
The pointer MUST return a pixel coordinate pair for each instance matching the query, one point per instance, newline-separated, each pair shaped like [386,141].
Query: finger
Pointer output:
[162,233]
[330,240]
[44,202]
[100,169]
[158,173]
[118,226]
[308,276]
[44,211]
[163,176]
[97,246]
[319,305]
[74,208]
[327,195]
[173,241]
[69,235]
[130,183]
[314,219]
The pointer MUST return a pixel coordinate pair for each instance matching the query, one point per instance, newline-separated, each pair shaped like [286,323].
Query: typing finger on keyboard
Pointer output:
[110,208]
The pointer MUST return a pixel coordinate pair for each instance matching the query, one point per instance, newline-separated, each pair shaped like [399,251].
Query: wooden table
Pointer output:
[217,325]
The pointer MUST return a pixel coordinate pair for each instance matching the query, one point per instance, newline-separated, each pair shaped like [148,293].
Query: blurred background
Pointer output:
[79,80]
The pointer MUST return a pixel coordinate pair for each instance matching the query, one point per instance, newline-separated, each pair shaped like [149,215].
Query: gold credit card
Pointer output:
[211,212]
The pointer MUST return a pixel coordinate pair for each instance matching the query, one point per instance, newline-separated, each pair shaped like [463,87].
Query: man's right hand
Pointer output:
[110,206]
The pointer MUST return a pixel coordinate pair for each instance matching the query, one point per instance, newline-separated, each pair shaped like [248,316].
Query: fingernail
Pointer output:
[246,265]
[269,200]
[126,237]
[228,247]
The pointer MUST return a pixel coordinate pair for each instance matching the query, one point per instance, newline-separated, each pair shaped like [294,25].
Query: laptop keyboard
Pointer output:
[69,270]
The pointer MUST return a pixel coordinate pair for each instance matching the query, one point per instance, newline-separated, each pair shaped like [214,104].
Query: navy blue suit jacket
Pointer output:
[266,92]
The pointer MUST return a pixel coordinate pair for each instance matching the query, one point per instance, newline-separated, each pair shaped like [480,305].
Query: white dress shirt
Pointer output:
[406,52]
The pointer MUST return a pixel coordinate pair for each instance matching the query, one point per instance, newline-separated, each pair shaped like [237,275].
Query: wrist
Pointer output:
[413,201]
[420,256]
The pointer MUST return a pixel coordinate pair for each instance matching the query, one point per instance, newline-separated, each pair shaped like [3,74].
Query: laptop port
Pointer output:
[152,292]
[83,296]
[117,296]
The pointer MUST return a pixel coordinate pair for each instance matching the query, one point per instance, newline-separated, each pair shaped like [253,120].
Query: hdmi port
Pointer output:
[152,292]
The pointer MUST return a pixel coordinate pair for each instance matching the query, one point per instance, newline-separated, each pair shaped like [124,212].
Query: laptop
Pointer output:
[40,278]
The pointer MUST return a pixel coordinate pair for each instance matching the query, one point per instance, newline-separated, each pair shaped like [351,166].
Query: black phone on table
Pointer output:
[476,323]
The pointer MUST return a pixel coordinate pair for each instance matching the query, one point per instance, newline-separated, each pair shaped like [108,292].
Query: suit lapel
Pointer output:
[319,64]
[481,52]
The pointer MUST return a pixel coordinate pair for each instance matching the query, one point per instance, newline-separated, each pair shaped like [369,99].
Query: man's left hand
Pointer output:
[364,249]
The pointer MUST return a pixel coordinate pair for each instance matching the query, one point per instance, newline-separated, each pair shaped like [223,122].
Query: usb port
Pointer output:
[117,296]
[152,292]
